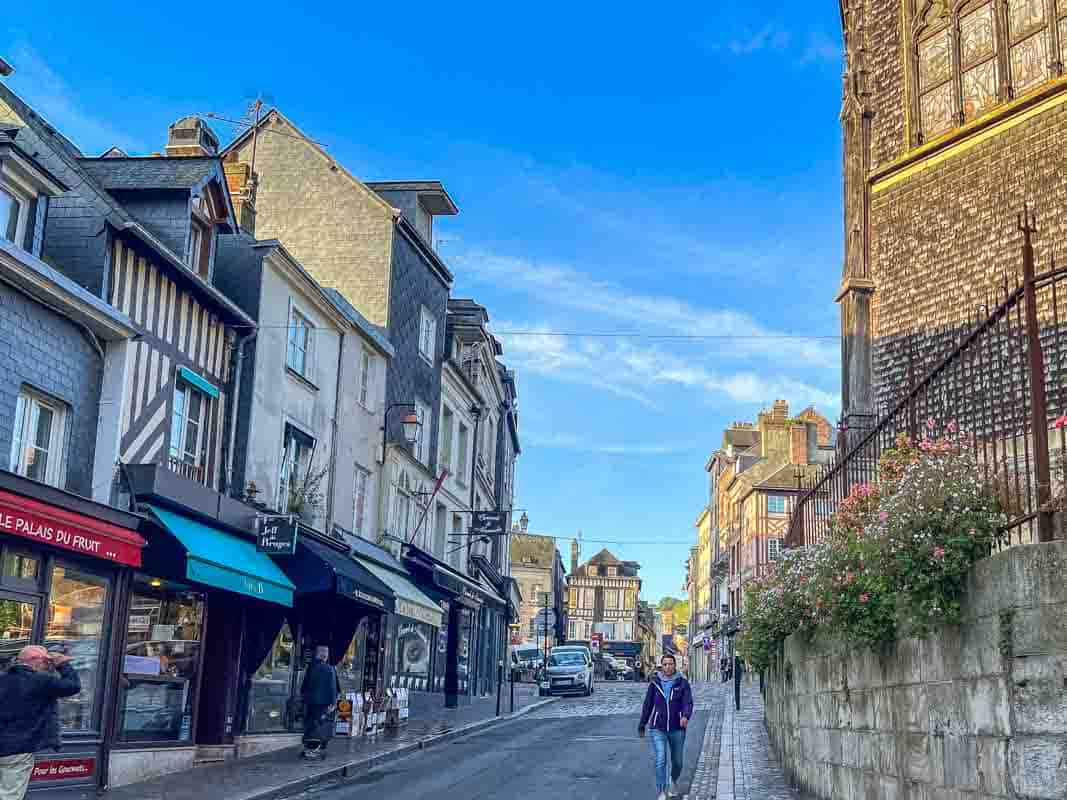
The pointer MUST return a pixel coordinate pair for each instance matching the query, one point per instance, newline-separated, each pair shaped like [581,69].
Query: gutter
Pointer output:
[333,433]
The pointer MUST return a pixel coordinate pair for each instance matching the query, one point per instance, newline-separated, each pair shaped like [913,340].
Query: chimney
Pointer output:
[798,444]
[191,136]
[242,186]
[781,411]
[574,556]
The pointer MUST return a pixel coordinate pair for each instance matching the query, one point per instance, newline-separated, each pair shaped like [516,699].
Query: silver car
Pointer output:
[569,671]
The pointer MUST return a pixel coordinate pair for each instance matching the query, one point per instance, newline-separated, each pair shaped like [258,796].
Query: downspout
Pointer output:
[477,412]
[248,337]
[333,435]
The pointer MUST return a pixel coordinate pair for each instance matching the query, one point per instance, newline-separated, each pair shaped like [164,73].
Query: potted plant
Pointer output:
[306,496]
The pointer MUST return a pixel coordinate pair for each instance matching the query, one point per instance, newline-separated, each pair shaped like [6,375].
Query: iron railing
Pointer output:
[1001,380]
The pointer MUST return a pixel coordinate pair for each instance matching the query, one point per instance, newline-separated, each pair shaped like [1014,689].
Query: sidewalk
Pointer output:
[737,761]
[283,773]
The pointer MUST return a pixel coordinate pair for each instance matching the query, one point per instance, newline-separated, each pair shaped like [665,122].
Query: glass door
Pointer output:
[16,627]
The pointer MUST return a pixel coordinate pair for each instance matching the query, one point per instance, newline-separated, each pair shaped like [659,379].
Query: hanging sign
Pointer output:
[277,536]
[488,523]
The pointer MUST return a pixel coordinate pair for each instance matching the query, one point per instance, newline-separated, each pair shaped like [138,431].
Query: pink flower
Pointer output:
[884,516]
[952,426]
[864,598]
[939,552]
[849,577]
[930,423]
[1061,421]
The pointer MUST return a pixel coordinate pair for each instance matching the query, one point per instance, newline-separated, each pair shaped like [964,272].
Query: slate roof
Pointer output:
[372,331]
[605,556]
[785,476]
[741,438]
[152,172]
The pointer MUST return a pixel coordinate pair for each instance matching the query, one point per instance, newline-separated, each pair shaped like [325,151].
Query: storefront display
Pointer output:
[269,695]
[160,662]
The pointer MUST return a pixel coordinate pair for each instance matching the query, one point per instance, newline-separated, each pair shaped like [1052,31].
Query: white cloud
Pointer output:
[637,371]
[567,441]
[821,48]
[770,36]
[51,96]
[564,287]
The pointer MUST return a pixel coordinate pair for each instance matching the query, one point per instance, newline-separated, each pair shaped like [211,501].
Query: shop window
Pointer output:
[75,627]
[16,627]
[350,670]
[37,445]
[268,702]
[160,663]
[413,648]
[187,426]
[21,568]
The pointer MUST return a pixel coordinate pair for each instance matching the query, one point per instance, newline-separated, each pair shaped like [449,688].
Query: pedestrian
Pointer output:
[319,691]
[667,711]
[29,713]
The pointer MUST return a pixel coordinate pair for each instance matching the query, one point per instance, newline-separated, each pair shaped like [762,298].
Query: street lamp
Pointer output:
[411,424]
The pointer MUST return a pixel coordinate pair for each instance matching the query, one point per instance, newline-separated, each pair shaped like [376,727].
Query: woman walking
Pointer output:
[667,711]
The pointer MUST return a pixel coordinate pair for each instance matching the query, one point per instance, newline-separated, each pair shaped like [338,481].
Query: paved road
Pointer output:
[583,748]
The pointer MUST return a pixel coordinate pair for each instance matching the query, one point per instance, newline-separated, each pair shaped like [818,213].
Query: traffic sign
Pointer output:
[596,640]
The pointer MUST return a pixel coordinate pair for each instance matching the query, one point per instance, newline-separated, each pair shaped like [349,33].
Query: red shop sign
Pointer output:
[48,524]
[63,769]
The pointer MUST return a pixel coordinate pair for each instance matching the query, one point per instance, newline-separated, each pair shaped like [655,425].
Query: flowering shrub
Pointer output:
[895,560]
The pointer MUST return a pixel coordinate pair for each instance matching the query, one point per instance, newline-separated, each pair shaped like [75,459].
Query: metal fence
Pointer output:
[1001,380]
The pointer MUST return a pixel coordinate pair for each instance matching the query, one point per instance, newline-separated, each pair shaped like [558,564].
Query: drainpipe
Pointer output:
[248,337]
[332,474]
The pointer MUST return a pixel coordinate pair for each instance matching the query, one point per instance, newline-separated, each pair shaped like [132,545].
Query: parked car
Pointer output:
[526,656]
[569,671]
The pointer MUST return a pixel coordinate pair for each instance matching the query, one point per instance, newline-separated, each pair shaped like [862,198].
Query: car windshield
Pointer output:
[566,660]
[527,655]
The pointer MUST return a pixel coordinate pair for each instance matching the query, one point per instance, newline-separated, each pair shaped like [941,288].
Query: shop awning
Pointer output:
[317,567]
[410,601]
[225,561]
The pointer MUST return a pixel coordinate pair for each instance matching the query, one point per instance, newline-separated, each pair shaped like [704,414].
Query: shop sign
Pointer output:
[81,535]
[277,536]
[63,769]
[373,599]
[489,523]
[405,608]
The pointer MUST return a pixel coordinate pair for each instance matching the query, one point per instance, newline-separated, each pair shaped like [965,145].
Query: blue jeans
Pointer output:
[661,740]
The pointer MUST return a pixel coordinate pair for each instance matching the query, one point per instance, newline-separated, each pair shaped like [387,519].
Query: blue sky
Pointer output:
[669,173]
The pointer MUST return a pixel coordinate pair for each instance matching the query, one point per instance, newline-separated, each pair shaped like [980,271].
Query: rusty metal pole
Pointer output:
[1038,402]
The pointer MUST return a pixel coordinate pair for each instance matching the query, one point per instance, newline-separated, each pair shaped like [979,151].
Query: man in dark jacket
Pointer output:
[29,713]
[319,692]
[667,711]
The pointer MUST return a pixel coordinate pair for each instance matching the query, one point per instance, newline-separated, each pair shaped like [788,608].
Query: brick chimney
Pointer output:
[191,136]
[780,412]
[242,185]
[574,556]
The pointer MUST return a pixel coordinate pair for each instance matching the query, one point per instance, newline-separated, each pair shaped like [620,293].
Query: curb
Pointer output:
[350,768]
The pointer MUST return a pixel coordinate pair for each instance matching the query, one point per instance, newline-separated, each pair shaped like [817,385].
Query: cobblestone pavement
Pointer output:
[613,698]
[745,765]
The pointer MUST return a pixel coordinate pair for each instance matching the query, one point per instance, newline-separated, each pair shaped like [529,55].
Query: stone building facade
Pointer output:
[538,567]
[953,117]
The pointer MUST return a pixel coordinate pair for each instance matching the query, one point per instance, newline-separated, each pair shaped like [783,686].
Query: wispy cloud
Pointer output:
[44,89]
[565,287]
[567,441]
[821,48]
[769,37]
[638,371]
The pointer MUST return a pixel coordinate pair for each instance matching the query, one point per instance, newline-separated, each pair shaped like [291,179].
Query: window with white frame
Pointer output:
[458,543]
[297,451]
[366,365]
[776,504]
[298,355]
[403,508]
[774,549]
[199,256]
[359,515]
[37,446]
[422,440]
[462,454]
[427,334]
[440,532]
[14,210]
[444,448]
[188,422]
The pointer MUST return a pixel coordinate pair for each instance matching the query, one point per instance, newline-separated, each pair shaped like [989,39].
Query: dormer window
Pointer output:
[13,212]
[199,249]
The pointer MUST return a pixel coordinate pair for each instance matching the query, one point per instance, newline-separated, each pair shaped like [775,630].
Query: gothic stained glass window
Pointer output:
[935,61]
[1025,16]
[977,35]
[979,89]
[937,110]
[1029,62]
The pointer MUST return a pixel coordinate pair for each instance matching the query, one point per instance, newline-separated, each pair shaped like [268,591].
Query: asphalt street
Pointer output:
[578,747]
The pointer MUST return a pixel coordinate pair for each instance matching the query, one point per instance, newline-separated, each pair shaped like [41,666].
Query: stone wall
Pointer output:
[976,711]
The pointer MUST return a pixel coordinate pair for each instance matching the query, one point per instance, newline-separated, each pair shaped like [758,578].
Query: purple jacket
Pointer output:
[661,712]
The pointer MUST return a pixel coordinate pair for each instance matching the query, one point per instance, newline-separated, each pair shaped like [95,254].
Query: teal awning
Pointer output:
[225,561]
[198,381]
[410,601]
